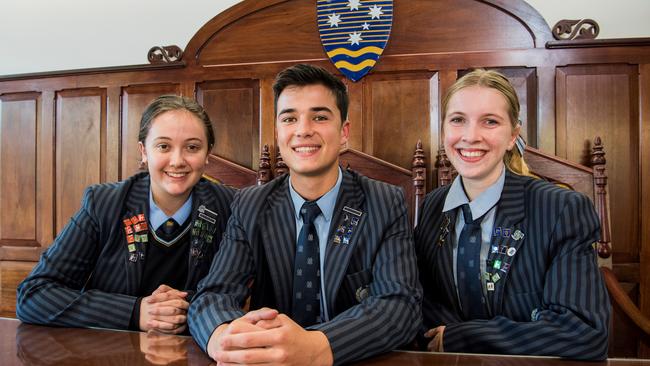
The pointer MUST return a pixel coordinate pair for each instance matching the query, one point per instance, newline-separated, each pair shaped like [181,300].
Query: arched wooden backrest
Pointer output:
[226,172]
[412,181]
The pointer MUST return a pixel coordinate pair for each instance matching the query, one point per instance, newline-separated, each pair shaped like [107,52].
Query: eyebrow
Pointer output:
[313,109]
[165,138]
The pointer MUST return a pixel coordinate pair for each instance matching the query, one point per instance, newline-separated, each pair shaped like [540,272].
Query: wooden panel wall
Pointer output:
[603,100]
[233,107]
[134,100]
[80,147]
[18,125]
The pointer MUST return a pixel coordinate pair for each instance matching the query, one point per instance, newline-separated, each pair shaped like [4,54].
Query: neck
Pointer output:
[313,187]
[474,187]
[169,205]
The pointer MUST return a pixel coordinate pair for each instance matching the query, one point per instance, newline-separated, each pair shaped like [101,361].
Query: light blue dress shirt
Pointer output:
[157,217]
[484,204]
[322,223]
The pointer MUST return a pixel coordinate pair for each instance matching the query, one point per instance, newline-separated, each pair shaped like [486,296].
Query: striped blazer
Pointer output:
[373,295]
[88,277]
[548,297]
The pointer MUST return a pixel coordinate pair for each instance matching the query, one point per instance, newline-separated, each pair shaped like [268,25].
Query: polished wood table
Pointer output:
[24,344]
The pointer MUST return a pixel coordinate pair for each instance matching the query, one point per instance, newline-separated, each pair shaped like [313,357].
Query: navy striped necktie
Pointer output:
[468,270]
[306,279]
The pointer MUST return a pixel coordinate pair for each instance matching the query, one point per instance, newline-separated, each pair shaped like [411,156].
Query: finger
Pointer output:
[269,324]
[246,356]
[260,314]
[175,302]
[263,338]
[241,326]
[430,333]
[162,288]
[431,346]
[164,323]
[161,310]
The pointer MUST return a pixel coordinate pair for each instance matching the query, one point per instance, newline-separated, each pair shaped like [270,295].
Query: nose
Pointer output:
[471,132]
[304,127]
[177,158]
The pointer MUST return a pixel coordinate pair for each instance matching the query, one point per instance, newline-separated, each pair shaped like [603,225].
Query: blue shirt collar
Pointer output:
[326,203]
[157,217]
[456,196]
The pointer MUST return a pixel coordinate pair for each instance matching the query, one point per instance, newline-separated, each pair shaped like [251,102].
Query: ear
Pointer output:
[143,152]
[345,133]
[513,138]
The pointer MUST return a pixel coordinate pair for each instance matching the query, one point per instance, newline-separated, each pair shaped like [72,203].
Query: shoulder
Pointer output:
[374,188]
[221,191]
[112,191]
[543,192]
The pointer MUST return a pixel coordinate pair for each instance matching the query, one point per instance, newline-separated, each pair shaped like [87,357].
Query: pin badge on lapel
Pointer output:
[203,230]
[135,229]
[207,215]
[517,235]
[344,231]
[444,230]
[362,293]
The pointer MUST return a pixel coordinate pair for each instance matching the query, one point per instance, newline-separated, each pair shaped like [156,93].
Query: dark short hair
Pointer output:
[305,74]
[166,103]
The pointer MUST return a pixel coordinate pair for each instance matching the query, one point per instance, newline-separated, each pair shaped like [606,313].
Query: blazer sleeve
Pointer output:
[222,292]
[390,316]
[574,318]
[53,292]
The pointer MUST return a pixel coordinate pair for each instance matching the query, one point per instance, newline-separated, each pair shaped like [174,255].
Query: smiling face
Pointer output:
[477,133]
[309,131]
[175,151]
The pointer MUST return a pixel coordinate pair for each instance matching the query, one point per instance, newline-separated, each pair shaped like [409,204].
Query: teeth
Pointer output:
[472,154]
[307,149]
[176,175]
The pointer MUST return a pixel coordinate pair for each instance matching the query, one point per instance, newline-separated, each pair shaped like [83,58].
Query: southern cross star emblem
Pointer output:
[354,33]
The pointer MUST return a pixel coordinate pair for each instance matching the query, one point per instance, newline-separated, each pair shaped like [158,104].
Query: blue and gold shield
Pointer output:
[354,33]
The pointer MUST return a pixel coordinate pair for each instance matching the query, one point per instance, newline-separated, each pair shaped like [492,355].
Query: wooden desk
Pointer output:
[24,344]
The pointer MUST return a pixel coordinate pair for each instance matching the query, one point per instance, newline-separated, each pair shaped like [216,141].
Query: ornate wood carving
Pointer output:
[264,171]
[419,177]
[280,167]
[600,189]
[444,167]
[576,29]
[165,54]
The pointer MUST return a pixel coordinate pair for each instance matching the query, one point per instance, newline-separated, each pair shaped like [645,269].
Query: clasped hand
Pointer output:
[164,311]
[265,336]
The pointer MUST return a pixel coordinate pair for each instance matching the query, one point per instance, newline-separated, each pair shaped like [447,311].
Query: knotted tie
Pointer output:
[306,278]
[468,270]
[168,230]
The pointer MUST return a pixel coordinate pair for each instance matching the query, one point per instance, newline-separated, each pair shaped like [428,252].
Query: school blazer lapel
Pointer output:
[444,246]
[204,221]
[137,203]
[337,254]
[507,240]
[278,228]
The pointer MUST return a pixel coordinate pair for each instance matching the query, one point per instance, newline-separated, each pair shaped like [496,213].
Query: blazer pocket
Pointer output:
[521,305]
[357,285]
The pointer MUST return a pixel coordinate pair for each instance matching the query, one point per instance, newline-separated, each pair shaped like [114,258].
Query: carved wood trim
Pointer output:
[419,169]
[569,29]
[445,170]
[280,167]
[600,191]
[93,70]
[164,54]
[264,171]
[591,43]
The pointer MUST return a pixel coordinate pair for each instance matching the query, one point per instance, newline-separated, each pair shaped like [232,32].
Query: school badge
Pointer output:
[354,33]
